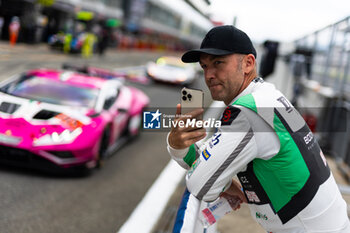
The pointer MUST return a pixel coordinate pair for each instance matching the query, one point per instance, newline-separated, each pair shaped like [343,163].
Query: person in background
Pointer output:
[1,25]
[103,40]
[14,28]
[89,41]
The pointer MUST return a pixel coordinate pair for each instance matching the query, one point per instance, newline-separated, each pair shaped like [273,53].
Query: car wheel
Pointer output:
[134,125]
[102,152]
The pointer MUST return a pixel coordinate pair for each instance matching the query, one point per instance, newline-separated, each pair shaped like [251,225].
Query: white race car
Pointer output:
[170,69]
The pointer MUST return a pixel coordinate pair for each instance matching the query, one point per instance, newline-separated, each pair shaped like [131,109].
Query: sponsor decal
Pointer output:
[229,115]
[258,80]
[215,206]
[69,122]
[206,154]
[193,167]
[261,216]
[215,139]
[308,138]
[252,197]
[285,103]
[209,216]
[151,120]
[244,179]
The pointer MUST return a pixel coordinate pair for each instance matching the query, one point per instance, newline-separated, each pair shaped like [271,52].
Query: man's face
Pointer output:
[223,75]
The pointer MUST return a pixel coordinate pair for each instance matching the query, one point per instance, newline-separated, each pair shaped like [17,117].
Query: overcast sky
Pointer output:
[278,19]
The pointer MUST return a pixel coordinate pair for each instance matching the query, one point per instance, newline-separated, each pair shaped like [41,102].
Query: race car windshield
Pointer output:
[53,91]
[170,63]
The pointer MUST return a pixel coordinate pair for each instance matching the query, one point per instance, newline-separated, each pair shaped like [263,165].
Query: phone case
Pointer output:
[191,99]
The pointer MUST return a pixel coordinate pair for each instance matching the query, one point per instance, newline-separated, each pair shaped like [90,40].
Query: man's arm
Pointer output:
[225,154]
[181,140]
[184,157]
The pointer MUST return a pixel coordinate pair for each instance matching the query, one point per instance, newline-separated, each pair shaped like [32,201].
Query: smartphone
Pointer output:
[191,99]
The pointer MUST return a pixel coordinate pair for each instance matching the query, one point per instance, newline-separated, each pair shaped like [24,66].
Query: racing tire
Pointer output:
[131,121]
[102,151]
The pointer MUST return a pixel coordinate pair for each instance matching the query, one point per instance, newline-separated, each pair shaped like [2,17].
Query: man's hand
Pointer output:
[234,194]
[183,137]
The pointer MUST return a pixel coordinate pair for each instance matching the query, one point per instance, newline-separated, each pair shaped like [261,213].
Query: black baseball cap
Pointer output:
[222,40]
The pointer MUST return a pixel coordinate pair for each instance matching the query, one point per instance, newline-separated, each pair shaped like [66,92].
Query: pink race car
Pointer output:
[65,118]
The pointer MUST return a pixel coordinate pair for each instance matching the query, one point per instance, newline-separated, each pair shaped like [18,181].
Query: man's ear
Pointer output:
[249,63]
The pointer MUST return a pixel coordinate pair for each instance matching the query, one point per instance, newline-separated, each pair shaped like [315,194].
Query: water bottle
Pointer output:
[217,209]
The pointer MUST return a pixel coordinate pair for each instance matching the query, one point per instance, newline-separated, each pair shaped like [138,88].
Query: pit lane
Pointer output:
[33,201]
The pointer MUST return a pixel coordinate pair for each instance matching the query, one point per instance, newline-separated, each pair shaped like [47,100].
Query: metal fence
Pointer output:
[329,54]
[326,61]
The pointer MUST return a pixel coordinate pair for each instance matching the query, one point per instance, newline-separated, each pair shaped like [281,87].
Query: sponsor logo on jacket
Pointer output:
[285,103]
[193,167]
[261,216]
[308,138]
[206,154]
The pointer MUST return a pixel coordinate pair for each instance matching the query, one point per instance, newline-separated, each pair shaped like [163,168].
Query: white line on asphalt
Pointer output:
[148,211]
[146,214]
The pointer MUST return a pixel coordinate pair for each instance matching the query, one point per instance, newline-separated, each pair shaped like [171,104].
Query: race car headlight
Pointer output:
[55,138]
[151,70]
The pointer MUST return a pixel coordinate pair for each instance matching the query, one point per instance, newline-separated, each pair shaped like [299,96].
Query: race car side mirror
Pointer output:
[123,110]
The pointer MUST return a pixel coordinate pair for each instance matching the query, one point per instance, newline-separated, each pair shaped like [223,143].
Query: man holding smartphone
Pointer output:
[262,140]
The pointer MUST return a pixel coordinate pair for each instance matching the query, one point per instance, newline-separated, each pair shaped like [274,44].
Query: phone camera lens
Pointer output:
[184,92]
[189,96]
[184,98]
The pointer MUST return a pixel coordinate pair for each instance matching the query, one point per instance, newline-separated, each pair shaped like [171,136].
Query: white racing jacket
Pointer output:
[267,144]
